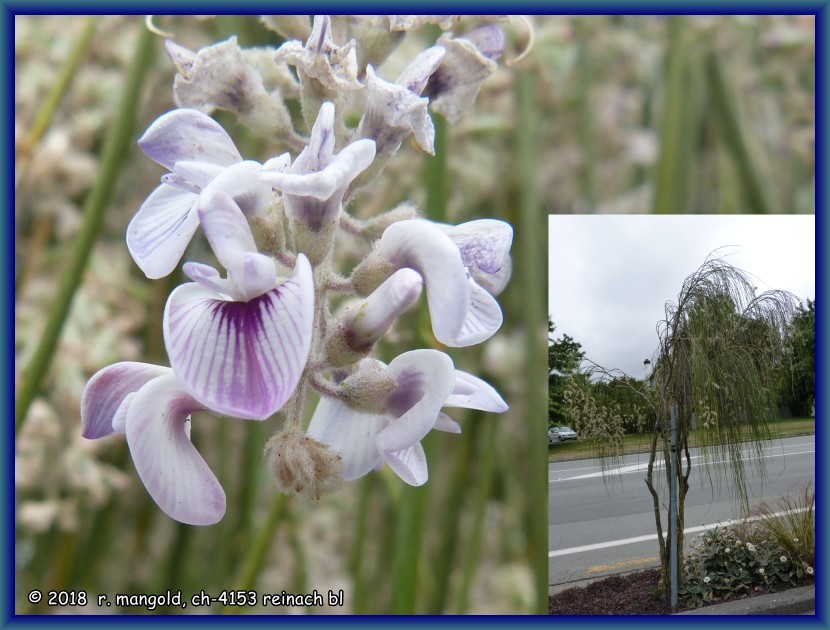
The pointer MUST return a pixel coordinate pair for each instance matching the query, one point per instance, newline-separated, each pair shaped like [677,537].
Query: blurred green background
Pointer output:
[603,114]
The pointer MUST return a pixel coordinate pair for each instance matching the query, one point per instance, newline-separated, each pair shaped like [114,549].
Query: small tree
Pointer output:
[721,347]
[564,358]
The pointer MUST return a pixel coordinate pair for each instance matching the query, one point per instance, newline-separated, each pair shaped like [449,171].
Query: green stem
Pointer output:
[531,259]
[67,72]
[436,174]
[360,590]
[115,147]
[254,561]
[406,556]
[672,176]
[482,489]
[734,134]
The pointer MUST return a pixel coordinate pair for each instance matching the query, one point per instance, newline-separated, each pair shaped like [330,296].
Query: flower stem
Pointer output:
[532,260]
[254,561]
[407,551]
[115,148]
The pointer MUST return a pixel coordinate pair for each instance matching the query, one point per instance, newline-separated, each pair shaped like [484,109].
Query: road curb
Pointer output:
[794,601]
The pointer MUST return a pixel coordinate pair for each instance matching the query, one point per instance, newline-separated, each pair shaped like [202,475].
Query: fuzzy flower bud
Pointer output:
[303,465]
[368,388]
[360,327]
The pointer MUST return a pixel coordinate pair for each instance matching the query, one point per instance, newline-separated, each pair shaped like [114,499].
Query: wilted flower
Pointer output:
[707,579]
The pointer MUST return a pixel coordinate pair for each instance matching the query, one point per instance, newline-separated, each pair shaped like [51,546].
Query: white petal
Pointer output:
[200,174]
[243,359]
[323,184]
[410,464]
[209,278]
[417,73]
[473,393]
[424,381]
[242,184]
[444,423]
[423,246]
[186,134]
[161,231]
[320,147]
[484,317]
[105,392]
[230,237]
[174,473]
[349,433]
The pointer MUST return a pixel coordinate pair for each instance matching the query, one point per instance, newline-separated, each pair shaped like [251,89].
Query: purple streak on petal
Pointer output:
[186,134]
[158,235]
[484,242]
[349,433]
[174,473]
[484,317]
[105,392]
[488,38]
[320,149]
[243,359]
[177,181]
[410,464]
[473,393]
[425,380]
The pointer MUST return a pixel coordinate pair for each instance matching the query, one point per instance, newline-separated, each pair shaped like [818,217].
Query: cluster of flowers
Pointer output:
[255,340]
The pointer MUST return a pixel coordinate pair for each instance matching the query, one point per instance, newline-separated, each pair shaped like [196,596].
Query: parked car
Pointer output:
[561,434]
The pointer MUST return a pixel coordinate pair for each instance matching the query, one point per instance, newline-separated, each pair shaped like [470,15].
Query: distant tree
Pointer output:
[564,358]
[798,388]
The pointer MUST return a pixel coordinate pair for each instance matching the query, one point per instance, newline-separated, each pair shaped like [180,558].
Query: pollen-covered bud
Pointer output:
[361,326]
[302,465]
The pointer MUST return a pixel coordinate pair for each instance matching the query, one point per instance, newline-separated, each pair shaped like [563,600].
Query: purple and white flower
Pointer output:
[239,344]
[149,405]
[314,185]
[462,312]
[199,155]
[424,382]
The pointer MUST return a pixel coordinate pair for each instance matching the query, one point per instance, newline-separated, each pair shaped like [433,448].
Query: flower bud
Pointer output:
[303,465]
[360,327]
[368,387]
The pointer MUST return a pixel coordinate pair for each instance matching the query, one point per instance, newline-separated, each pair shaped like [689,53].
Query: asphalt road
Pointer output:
[601,526]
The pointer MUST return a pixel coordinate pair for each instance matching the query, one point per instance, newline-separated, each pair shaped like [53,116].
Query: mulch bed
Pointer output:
[630,594]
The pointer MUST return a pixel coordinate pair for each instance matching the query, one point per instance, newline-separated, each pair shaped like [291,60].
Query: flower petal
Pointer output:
[158,235]
[230,237]
[444,423]
[242,184]
[424,381]
[410,464]
[334,177]
[349,433]
[484,317]
[187,134]
[243,359]
[484,242]
[105,392]
[423,246]
[473,393]
[174,473]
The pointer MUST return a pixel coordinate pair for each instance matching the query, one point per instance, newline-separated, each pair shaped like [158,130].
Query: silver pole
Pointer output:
[673,507]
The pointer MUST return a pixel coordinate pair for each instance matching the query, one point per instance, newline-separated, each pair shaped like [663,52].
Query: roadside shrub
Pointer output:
[726,563]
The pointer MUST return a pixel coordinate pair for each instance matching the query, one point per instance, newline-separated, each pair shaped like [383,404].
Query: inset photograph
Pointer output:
[681,439]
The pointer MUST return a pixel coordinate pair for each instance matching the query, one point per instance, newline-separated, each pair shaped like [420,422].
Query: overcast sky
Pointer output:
[610,276]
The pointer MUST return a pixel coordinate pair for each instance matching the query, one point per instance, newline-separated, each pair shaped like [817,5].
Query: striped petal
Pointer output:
[161,231]
[174,473]
[485,243]
[242,359]
[188,135]
[349,433]
[472,393]
[107,392]
[483,318]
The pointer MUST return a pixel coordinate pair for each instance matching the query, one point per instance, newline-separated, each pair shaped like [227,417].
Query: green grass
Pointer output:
[640,443]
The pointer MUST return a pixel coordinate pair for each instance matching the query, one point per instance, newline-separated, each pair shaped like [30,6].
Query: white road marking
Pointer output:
[637,539]
[639,467]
